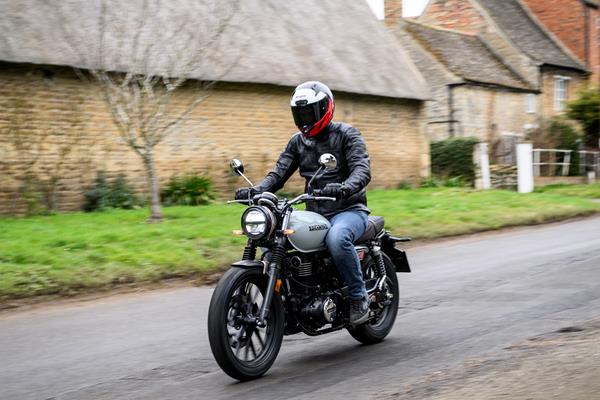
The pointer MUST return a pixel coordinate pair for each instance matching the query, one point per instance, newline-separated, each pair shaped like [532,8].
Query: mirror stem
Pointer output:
[313,178]
[247,180]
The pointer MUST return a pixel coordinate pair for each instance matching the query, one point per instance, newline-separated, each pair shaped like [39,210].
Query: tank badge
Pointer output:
[321,227]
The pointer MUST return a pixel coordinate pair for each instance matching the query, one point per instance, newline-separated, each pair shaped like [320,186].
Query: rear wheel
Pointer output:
[385,310]
[242,349]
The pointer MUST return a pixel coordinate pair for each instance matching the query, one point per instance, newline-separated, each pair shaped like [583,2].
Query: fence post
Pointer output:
[536,160]
[482,166]
[566,164]
[525,167]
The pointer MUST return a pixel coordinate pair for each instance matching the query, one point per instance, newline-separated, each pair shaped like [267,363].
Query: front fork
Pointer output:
[272,270]
[275,263]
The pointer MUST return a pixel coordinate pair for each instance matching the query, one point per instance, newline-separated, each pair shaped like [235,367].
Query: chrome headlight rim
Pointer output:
[269,222]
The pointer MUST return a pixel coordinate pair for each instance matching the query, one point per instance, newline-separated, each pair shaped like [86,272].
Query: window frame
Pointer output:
[561,92]
[531,103]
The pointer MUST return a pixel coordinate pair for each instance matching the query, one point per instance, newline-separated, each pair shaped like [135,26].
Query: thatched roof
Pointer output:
[466,56]
[267,41]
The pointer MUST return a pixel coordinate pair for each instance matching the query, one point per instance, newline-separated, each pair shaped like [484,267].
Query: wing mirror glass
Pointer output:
[328,161]
[237,167]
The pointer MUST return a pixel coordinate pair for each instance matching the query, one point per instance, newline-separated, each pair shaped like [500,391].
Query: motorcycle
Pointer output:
[294,286]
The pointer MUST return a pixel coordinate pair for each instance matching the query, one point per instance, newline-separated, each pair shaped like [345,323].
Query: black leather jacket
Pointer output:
[353,167]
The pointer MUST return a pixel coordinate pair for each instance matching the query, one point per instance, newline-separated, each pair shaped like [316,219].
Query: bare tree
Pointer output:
[146,50]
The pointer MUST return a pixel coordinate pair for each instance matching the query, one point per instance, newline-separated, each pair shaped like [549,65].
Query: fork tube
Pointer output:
[274,267]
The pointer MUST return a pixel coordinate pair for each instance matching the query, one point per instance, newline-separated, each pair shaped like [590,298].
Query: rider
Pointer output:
[312,107]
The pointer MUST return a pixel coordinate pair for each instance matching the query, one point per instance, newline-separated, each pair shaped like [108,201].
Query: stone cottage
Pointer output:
[54,124]
[474,93]
[509,29]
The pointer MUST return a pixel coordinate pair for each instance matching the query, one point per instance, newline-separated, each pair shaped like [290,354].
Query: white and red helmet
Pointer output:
[312,107]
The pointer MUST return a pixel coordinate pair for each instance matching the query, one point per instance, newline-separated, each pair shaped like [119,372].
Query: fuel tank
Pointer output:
[310,231]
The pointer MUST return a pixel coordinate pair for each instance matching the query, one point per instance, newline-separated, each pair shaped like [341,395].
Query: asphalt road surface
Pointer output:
[465,297]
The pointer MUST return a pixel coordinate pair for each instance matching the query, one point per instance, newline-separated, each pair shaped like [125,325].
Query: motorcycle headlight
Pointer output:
[258,222]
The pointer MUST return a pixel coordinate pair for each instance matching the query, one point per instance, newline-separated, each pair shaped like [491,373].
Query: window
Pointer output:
[561,86]
[531,103]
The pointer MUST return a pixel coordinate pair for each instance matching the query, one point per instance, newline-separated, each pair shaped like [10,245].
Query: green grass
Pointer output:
[67,253]
[585,191]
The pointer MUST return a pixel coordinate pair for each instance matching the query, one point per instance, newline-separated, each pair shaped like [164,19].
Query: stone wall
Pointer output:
[437,76]
[577,82]
[490,113]
[53,124]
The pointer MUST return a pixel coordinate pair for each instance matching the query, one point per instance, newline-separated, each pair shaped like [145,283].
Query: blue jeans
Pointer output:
[346,227]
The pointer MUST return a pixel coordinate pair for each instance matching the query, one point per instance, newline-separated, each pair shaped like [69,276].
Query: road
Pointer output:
[466,297]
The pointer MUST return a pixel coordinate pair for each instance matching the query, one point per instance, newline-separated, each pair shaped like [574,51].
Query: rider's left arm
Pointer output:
[358,162]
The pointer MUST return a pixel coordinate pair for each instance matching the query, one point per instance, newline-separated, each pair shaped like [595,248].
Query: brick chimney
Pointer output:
[393,11]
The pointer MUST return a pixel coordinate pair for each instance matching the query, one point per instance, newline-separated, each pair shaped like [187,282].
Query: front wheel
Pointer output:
[376,329]
[242,349]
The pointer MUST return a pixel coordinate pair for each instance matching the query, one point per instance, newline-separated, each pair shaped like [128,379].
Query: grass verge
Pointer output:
[68,253]
[585,191]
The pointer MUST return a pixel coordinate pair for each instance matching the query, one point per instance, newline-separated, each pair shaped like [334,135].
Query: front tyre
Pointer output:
[241,348]
[376,329]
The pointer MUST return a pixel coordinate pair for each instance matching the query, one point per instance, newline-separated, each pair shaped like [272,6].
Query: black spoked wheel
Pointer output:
[242,349]
[384,306]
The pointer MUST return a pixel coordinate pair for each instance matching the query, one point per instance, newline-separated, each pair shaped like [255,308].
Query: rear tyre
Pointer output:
[375,330]
[243,350]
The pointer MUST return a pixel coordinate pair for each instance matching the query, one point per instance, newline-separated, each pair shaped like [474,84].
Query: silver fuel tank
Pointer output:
[310,231]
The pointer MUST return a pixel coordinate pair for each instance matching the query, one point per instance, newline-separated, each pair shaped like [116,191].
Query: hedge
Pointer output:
[453,158]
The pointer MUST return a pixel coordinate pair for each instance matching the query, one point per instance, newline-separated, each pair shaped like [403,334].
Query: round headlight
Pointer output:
[257,222]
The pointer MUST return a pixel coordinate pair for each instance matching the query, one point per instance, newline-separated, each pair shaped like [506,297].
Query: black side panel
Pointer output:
[248,264]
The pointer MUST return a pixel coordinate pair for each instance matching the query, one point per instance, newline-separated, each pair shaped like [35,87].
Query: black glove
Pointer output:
[337,190]
[246,193]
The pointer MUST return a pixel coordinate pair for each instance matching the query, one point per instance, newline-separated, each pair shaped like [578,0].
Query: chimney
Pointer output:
[393,11]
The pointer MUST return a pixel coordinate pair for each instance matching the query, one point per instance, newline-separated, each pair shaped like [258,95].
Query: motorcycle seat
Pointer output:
[375,226]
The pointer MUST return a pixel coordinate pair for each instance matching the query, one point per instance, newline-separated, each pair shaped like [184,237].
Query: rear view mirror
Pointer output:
[237,167]
[328,161]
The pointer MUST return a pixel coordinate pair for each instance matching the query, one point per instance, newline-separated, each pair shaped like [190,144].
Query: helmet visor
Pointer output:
[309,114]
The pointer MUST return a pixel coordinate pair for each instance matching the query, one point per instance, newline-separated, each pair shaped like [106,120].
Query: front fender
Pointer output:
[262,265]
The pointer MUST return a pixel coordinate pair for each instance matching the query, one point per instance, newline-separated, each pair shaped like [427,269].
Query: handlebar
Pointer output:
[296,200]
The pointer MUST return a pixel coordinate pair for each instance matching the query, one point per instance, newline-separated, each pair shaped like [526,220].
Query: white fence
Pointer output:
[559,162]
[551,160]
[537,162]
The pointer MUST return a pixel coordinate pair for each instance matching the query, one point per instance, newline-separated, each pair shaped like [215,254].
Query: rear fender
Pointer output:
[398,257]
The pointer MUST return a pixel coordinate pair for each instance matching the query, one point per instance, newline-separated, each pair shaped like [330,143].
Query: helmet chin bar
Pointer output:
[321,124]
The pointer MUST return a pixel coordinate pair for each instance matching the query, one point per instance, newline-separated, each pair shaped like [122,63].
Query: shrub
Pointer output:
[190,189]
[121,195]
[455,182]
[585,109]
[566,138]
[430,183]
[404,185]
[32,192]
[453,158]
[96,197]
[116,194]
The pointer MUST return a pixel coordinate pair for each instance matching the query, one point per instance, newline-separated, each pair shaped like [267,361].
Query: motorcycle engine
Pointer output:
[303,270]
[319,311]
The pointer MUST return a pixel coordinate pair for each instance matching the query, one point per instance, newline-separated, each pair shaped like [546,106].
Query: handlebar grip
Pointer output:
[320,198]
